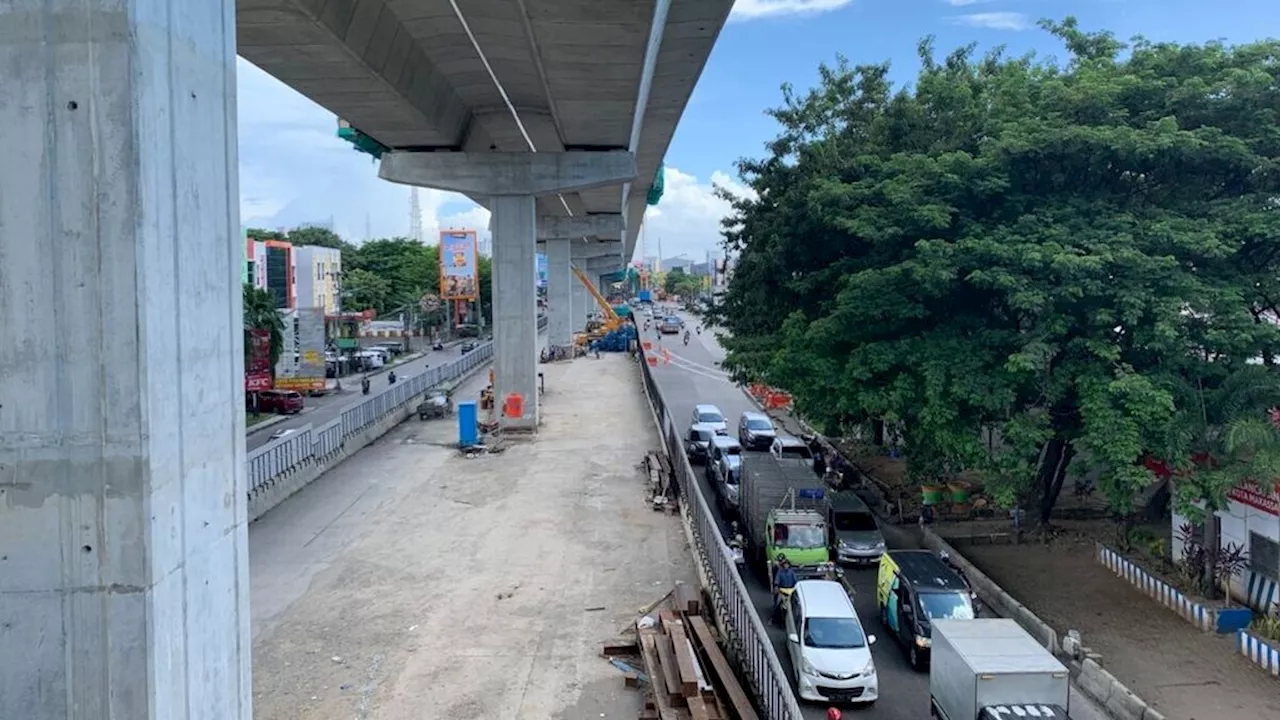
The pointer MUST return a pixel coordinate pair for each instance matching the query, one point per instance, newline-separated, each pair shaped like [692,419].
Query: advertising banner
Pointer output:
[541,269]
[257,368]
[307,349]
[459,270]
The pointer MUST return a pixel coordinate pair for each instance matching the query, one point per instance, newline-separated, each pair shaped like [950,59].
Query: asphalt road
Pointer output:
[320,410]
[693,377]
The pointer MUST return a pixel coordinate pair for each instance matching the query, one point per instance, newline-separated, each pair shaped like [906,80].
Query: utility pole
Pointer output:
[415,216]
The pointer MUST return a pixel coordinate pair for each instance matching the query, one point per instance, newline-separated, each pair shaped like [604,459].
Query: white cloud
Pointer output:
[995,20]
[753,9]
[966,3]
[294,170]
[687,220]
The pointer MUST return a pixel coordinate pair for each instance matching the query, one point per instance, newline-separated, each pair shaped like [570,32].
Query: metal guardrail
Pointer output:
[310,444]
[746,638]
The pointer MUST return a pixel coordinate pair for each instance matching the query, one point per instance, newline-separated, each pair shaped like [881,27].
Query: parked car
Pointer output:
[755,431]
[791,449]
[709,415]
[282,402]
[830,651]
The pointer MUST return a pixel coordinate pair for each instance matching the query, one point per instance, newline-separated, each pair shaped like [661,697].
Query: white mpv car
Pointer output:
[829,650]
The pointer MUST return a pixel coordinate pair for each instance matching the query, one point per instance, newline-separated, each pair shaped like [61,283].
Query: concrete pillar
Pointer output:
[559,294]
[123,546]
[582,304]
[515,306]
[512,180]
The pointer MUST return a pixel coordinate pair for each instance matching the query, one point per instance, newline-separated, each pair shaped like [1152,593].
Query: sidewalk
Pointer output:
[1180,671]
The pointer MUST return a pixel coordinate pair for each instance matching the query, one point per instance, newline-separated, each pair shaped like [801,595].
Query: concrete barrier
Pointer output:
[1205,617]
[994,596]
[265,497]
[1262,653]
[1103,688]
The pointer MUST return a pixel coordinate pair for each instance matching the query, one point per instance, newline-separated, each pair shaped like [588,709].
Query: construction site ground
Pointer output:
[412,582]
[1182,672]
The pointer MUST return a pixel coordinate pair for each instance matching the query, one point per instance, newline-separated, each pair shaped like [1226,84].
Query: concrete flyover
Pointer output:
[123,560]
[549,112]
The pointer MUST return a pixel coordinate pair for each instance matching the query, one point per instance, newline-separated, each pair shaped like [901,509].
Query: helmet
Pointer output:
[944,555]
[833,714]
[780,559]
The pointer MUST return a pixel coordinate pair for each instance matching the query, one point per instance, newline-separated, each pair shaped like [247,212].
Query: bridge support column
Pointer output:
[124,586]
[512,180]
[559,293]
[515,307]
[582,304]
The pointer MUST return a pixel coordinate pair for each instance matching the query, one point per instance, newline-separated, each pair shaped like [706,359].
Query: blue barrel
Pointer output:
[468,424]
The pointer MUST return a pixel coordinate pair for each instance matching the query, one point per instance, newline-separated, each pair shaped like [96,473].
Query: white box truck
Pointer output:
[991,669]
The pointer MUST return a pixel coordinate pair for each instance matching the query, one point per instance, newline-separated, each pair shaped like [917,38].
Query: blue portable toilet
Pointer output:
[468,424]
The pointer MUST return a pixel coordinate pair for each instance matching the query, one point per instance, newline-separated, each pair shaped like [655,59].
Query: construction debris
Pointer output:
[662,487]
[681,667]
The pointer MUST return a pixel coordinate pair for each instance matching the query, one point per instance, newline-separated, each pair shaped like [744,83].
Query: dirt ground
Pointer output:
[1182,672]
[412,582]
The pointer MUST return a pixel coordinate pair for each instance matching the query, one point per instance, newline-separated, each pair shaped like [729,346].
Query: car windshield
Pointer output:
[855,522]
[946,605]
[710,417]
[800,537]
[800,452]
[733,450]
[833,633]
[759,424]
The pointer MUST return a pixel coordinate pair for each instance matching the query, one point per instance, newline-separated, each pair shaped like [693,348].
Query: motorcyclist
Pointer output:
[698,329]
[686,337]
[783,577]
[364,385]
[391,378]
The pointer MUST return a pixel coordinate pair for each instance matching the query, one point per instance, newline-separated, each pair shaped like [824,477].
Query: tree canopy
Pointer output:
[1056,250]
[678,282]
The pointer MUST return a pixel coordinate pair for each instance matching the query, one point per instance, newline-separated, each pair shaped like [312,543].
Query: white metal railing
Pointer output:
[310,444]
[746,637]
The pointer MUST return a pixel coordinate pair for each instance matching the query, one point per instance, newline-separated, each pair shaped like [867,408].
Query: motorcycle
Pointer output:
[736,545]
[686,337]
[391,378]
[783,605]
[364,386]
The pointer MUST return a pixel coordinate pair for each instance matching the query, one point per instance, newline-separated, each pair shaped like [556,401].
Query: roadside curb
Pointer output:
[258,427]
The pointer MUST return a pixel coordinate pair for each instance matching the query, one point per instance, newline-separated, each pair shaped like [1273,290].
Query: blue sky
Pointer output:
[293,169]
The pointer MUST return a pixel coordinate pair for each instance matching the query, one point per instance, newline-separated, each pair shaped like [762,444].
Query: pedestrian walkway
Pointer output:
[412,582]
[1182,672]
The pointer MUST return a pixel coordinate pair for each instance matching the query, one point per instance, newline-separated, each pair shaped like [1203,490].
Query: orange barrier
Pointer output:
[647,344]
[774,400]
[757,390]
[653,361]
[513,406]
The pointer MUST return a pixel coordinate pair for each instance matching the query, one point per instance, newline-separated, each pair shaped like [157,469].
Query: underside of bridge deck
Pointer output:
[497,75]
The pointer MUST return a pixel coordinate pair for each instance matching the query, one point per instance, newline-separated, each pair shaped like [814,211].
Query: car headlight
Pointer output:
[880,545]
[870,669]
[806,667]
[843,545]
[922,641]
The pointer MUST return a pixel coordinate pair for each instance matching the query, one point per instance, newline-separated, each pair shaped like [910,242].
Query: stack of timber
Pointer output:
[662,487]
[684,671]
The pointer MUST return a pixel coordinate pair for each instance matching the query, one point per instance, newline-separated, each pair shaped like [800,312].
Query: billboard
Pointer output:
[541,269]
[302,363]
[257,367]
[459,269]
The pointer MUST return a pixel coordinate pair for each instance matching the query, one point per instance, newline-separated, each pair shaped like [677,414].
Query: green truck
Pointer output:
[784,511]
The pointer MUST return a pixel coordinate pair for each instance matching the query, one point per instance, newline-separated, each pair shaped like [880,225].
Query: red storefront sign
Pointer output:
[257,368]
[1256,497]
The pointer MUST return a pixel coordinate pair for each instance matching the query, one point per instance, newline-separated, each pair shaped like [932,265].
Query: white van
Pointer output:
[829,650]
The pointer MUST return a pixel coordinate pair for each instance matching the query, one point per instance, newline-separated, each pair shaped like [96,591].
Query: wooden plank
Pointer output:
[685,661]
[698,709]
[668,619]
[652,668]
[723,671]
[670,677]
[620,648]
[687,599]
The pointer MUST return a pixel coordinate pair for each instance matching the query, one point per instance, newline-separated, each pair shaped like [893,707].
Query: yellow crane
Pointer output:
[611,321]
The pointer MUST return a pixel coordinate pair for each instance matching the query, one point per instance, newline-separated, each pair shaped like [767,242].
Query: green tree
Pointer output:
[1047,249]
[679,282]
[365,290]
[260,314]
[320,237]
[263,235]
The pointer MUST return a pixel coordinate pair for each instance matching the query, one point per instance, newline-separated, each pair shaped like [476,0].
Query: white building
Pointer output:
[1251,521]
[318,274]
